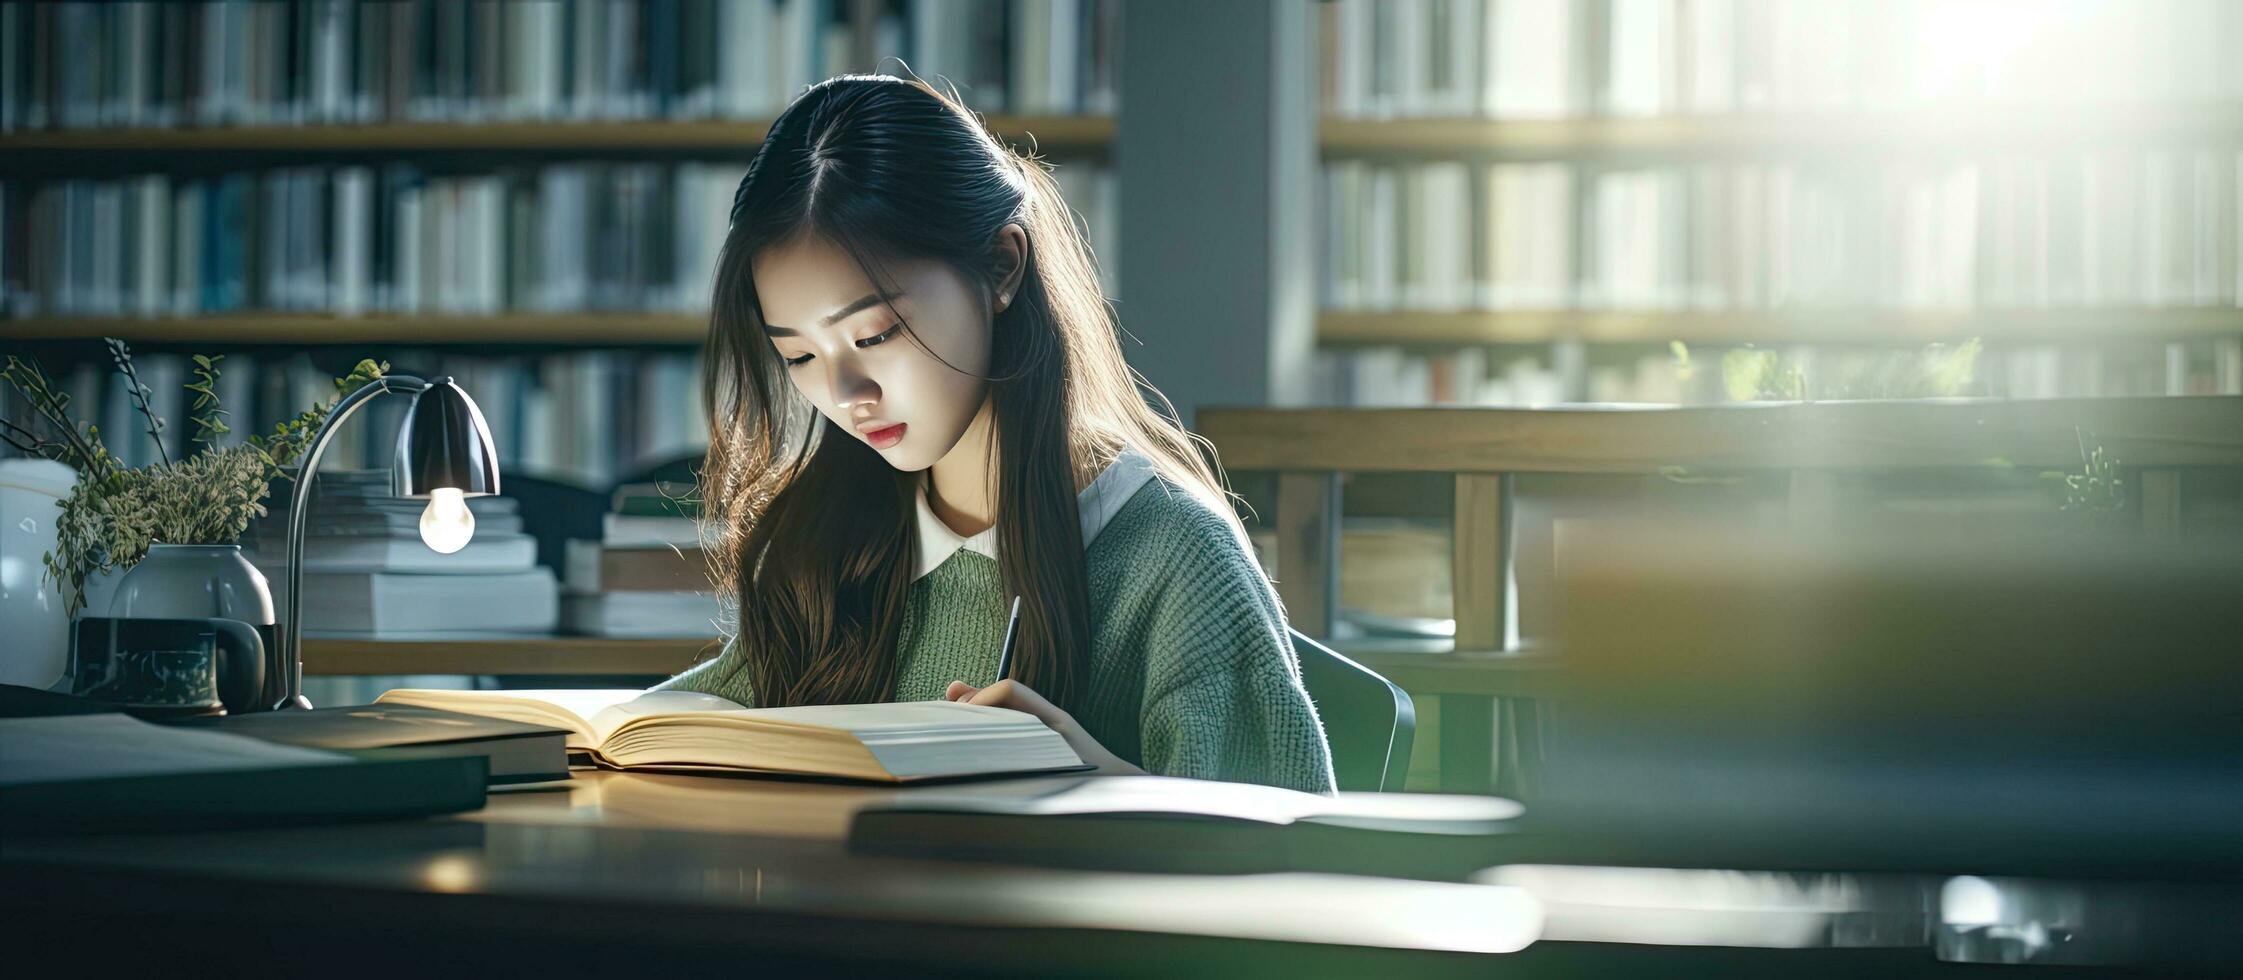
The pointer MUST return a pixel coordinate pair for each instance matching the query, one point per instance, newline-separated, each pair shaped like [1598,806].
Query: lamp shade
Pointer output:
[444,443]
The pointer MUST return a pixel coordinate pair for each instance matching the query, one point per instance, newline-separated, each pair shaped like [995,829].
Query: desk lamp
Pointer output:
[444,455]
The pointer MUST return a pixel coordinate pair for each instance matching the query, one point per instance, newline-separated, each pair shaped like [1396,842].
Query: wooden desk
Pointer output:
[641,875]
[640,870]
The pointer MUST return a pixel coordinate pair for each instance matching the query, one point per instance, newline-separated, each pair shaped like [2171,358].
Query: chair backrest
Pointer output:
[1369,722]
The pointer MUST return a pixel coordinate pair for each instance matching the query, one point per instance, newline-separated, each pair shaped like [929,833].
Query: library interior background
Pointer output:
[1590,210]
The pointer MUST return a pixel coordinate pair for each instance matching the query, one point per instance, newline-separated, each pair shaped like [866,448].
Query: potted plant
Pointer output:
[174,526]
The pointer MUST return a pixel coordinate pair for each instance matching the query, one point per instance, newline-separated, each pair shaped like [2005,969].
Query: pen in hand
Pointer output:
[1004,653]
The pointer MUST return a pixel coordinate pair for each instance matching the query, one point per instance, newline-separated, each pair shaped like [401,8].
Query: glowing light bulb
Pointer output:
[446,523]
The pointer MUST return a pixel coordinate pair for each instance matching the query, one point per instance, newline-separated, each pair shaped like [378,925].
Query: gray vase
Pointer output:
[193,581]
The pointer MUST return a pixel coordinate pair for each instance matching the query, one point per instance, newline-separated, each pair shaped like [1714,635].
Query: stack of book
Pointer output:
[646,576]
[368,575]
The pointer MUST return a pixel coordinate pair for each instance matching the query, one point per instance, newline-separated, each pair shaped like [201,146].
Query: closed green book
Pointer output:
[111,772]
[518,753]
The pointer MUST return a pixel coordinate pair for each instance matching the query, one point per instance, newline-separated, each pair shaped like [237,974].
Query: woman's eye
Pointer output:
[880,338]
[798,361]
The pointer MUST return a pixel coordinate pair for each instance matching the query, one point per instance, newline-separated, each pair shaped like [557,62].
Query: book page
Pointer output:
[883,741]
[610,715]
[558,708]
[894,718]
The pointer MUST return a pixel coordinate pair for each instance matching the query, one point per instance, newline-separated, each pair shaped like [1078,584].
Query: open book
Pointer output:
[688,732]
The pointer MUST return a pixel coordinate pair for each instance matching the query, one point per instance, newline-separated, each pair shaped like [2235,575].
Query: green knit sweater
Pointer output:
[1192,673]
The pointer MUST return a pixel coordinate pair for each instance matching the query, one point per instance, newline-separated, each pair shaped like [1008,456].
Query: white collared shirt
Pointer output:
[1097,504]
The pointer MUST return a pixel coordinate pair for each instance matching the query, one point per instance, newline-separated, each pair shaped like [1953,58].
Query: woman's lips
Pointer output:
[883,438]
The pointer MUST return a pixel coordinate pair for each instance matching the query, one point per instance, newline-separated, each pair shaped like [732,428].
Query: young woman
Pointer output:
[919,411]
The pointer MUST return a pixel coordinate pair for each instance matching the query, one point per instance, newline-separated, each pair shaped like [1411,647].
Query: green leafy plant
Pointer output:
[208,419]
[120,355]
[1748,374]
[114,513]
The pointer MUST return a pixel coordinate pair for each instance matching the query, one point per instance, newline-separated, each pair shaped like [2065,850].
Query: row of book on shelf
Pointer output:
[587,417]
[1569,58]
[367,575]
[559,238]
[1570,372]
[160,64]
[2135,228]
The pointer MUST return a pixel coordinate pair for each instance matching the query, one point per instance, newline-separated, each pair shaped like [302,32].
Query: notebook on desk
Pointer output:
[1193,826]
[683,731]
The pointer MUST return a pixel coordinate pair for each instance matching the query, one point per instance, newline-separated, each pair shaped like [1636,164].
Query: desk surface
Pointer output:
[623,871]
[717,867]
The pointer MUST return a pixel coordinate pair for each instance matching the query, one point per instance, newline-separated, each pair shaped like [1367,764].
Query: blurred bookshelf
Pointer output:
[1073,136]
[1435,328]
[504,655]
[316,62]
[527,329]
[2047,127]
[1641,188]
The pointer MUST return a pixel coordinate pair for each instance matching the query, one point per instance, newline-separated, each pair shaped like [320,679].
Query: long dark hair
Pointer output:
[810,530]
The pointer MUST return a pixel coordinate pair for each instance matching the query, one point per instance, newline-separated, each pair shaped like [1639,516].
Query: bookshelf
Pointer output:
[255,179]
[1435,329]
[249,169]
[558,655]
[2061,184]
[526,329]
[1792,133]
[1073,136]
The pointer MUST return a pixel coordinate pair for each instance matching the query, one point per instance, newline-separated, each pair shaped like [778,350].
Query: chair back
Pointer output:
[1369,722]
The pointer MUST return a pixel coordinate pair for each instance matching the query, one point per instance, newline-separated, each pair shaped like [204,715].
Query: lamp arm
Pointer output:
[290,655]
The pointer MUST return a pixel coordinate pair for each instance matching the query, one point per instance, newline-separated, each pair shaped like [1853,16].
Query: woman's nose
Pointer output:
[849,385]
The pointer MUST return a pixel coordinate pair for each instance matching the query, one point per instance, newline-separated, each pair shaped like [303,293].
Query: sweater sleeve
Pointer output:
[1223,694]
[720,675]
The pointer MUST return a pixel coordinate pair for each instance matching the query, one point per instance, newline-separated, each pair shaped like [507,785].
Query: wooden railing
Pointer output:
[2157,438]
[1487,693]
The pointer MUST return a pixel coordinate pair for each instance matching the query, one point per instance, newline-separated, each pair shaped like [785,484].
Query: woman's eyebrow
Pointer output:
[856,305]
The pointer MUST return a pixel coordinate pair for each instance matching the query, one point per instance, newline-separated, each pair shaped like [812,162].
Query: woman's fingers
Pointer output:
[1020,697]
[1003,694]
